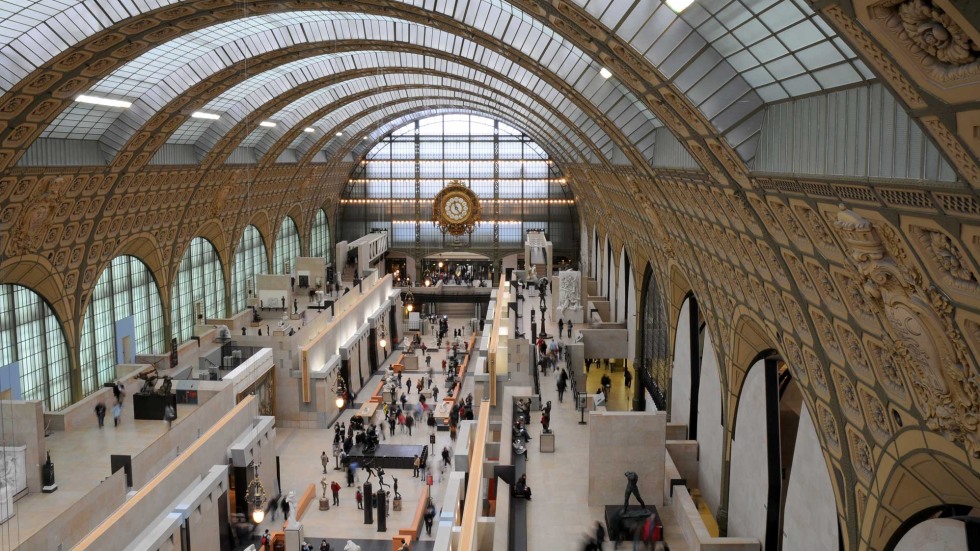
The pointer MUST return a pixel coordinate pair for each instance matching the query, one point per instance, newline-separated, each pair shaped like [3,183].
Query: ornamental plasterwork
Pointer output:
[861,456]
[828,428]
[848,397]
[883,359]
[855,353]
[875,414]
[29,230]
[947,259]
[936,45]
[930,352]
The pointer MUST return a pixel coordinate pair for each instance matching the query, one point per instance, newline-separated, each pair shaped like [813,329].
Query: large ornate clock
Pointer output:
[456,209]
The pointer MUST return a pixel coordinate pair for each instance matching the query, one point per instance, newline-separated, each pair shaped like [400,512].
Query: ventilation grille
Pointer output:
[960,204]
[904,198]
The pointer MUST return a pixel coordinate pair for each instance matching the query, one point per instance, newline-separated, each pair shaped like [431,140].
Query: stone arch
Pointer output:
[263,223]
[302,225]
[144,247]
[916,472]
[36,273]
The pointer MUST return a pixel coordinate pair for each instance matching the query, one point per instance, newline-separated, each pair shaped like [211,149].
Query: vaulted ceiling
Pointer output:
[696,129]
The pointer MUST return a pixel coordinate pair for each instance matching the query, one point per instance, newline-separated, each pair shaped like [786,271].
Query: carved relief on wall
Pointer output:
[948,262]
[847,396]
[28,231]
[875,414]
[930,42]
[828,427]
[861,456]
[929,350]
[815,369]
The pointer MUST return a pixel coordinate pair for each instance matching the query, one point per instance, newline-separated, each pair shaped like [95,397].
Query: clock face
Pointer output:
[456,208]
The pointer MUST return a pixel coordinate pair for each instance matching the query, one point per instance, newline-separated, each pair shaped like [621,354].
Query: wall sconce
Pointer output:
[383,342]
[256,497]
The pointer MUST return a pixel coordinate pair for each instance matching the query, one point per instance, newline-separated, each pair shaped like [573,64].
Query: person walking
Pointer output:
[335,488]
[562,385]
[409,422]
[100,412]
[266,541]
[169,415]
[429,516]
[627,378]
[116,413]
[324,460]
[561,327]
[408,386]
[360,499]
[435,394]
[569,328]
[415,466]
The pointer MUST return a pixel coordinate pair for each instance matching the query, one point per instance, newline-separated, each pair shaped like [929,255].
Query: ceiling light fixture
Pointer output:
[203,115]
[679,5]
[103,101]
[605,72]
[309,129]
[267,124]
[256,497]
[339,134]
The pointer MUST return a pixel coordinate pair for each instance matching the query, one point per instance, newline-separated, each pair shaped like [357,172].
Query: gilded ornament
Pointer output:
[456,209]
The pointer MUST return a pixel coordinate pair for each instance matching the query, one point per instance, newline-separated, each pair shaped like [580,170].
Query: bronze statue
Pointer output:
[168,383]
[149,378]
[631,489]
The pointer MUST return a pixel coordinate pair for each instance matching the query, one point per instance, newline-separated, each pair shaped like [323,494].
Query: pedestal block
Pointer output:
[546,442]
[324,504]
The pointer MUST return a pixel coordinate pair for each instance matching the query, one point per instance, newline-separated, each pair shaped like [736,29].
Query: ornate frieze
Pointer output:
[929,350]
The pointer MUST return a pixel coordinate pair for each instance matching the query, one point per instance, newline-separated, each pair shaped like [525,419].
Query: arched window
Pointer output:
[199,279]
[320,236]
[33,347]
[520,187]
[286,249]
[250,259]
[125,306]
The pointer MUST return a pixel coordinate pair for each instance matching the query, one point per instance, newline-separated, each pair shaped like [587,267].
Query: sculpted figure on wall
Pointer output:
[569,290]
[928,347]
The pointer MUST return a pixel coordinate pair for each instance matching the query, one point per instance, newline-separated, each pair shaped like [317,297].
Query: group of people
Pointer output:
[119,394]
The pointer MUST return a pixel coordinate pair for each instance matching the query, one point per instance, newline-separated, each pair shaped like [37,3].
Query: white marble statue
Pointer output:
[569,290]
[533,274]
[351,546]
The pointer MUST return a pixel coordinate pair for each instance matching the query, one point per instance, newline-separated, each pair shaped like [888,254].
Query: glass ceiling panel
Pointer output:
[303,142]
[400,126]
[332,121]
[776,46]
[248,95]
[161,74]
[414,109]
[306,106]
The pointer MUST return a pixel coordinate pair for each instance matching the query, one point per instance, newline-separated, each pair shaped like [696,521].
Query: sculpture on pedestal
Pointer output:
[631,489]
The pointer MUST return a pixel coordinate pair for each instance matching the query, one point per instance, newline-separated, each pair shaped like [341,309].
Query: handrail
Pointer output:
[473,505]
